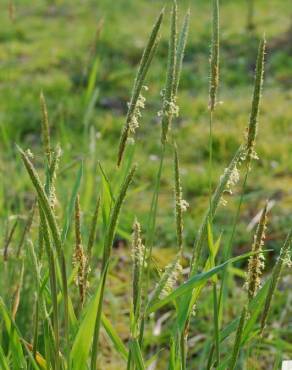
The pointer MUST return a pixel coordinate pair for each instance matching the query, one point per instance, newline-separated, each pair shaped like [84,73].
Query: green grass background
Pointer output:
[52,46]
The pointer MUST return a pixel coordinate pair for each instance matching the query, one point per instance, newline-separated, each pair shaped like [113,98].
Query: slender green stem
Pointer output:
[210,174]
[150,237]
[216,325]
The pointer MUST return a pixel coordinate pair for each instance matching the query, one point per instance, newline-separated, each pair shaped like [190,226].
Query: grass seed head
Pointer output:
[258,85]
[256,262]
[214,59]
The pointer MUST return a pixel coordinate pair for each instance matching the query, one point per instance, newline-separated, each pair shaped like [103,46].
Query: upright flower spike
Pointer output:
[52,175]
[169,108]
[79,259]
[137,100]
[45,128]
[258,85]
[256,261]
[214,59]
[181,44]
[137,255]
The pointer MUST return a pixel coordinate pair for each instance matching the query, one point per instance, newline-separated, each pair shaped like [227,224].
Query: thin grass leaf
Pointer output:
[91,239]
[114,337]
[70,208]
[237,342]
[3,361]
[137,355]
[193,282]
[15,340]
[82,341]
[276,273]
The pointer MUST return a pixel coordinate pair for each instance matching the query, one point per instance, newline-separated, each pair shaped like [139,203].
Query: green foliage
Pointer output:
[134,317]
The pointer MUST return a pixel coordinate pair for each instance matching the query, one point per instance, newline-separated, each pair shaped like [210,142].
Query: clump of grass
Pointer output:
[54,312]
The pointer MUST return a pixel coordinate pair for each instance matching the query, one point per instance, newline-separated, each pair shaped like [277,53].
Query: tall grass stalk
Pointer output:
[52,222]
[213,88]
[249,154]
[53,281]
[107,248]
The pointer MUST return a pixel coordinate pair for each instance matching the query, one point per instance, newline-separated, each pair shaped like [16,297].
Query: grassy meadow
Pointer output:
[175,303]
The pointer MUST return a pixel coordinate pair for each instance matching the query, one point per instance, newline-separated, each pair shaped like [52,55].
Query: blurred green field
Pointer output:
[83,55]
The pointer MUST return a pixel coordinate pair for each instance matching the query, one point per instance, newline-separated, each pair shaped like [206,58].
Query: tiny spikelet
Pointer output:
[214,59]
[256,261]
[45,128]
[282,259]
[169,108]
[136,97]
[79,259]
[180,203]
[258,84]
[167,281]
[137,255]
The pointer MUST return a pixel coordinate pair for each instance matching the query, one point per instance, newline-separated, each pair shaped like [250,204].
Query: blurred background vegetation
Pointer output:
[83,55]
